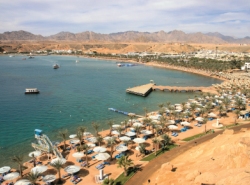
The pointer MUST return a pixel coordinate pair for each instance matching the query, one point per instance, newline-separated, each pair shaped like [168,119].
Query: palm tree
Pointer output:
[156,143]
[111,143]
[86,148]
[193,107]
[127,142]
[79,136]
[58,166]
[160,105]
[96,127]
[82,130]
[205,122]
[19,160]
[142,148]
[145,111]
[33,177]
[110,123]
[166,140]
[109,181]
[63,134]
[125,124]
[137,130]
[119,129]
[237,114]
[220,108]
[226,102]
[124,162]
[99,140]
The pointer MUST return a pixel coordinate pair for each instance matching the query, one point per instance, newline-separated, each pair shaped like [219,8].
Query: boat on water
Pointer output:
[77,61]
[11,55]
[31,91]
[24,59]
[56,66]
[30,57]
[119,65]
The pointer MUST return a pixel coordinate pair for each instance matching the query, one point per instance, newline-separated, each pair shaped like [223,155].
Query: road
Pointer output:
[142,176]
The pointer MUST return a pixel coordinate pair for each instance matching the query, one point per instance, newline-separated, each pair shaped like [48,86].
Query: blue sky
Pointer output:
[46,17]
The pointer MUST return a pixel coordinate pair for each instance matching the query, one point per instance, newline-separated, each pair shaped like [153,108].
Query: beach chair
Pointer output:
[199,125]
[77,180]
[90,151]
[106,163]
[100,166]
[175,135]
[145,137]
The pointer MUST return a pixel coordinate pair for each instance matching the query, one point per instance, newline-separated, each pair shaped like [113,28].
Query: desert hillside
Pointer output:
[115,47]
[223,160]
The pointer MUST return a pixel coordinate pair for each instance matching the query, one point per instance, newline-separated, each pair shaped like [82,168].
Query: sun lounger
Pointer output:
[106,163]
[77,180]
[100,166]
[90,151]
[199,125]
[175,135]
[84,164]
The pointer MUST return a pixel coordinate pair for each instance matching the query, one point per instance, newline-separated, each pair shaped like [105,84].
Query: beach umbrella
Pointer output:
[115,132]
[39,169]
[178,110]
[91,145]
[99,149]
[60,160]
[23,182]
[11,176]
[4,169]
[146,132]
[125,138]
[137,148]
[171,122]
[102,156]
[136,124]
[121,148]
[92,139]
[78,154]
[172,127]
[185,123]
[72,136]
[130,134]
[86,133]
[49,178]
[35,154]
[139,140]
[108,138]
[199,119]
[116,126]
[72,169]
[213,115]
[74,141]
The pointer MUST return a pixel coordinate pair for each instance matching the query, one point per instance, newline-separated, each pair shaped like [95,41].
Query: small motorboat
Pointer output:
[56,66]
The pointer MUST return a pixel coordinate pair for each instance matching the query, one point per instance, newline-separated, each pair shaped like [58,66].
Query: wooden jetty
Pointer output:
[142,90]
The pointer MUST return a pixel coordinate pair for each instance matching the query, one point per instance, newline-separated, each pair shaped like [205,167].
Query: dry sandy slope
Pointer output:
[223,160]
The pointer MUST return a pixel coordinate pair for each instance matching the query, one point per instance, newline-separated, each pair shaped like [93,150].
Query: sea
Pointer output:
[76,94]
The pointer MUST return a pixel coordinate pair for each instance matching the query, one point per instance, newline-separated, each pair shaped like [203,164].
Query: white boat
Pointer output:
[11,56]
[31,91]
[77,61]
[56,66]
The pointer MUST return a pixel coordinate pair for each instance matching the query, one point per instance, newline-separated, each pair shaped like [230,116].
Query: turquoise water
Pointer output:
[73,95]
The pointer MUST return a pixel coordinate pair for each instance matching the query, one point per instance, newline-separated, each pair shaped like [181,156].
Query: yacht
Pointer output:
[31,91]
[56,66]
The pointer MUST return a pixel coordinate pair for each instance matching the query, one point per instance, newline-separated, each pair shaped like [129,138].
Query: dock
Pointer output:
[142,90]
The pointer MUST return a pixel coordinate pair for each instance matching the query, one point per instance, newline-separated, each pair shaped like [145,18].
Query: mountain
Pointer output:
[20,35]
[128,36]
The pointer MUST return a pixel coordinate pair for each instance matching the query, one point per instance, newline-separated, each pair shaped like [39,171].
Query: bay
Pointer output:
[75,94]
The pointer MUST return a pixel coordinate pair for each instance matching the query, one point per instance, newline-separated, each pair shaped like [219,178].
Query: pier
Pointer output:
[142,90]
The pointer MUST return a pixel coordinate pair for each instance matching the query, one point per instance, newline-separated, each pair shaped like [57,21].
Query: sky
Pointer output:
[48,17]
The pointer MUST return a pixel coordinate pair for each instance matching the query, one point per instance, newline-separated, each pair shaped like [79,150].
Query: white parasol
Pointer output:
[11,176]
[172,127]
[49,178]
[213,115]
[60,160]
[139,140]
[199,119]
[125,138]
[121,148]
[4,169]
[99,149]
[39,169]
[171,122]
[74,141]
[78,154]
[92,139]
[35,154]
[130,134]
[102,156]
[72,136]
[185,123]
[91,145]
[136,124]
[108,138]
[23,182]
[86,133]
[146,132]
[115,132]
[116,126]
[72,169]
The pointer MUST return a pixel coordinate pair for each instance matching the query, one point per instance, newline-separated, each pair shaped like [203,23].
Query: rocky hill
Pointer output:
[128,36]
